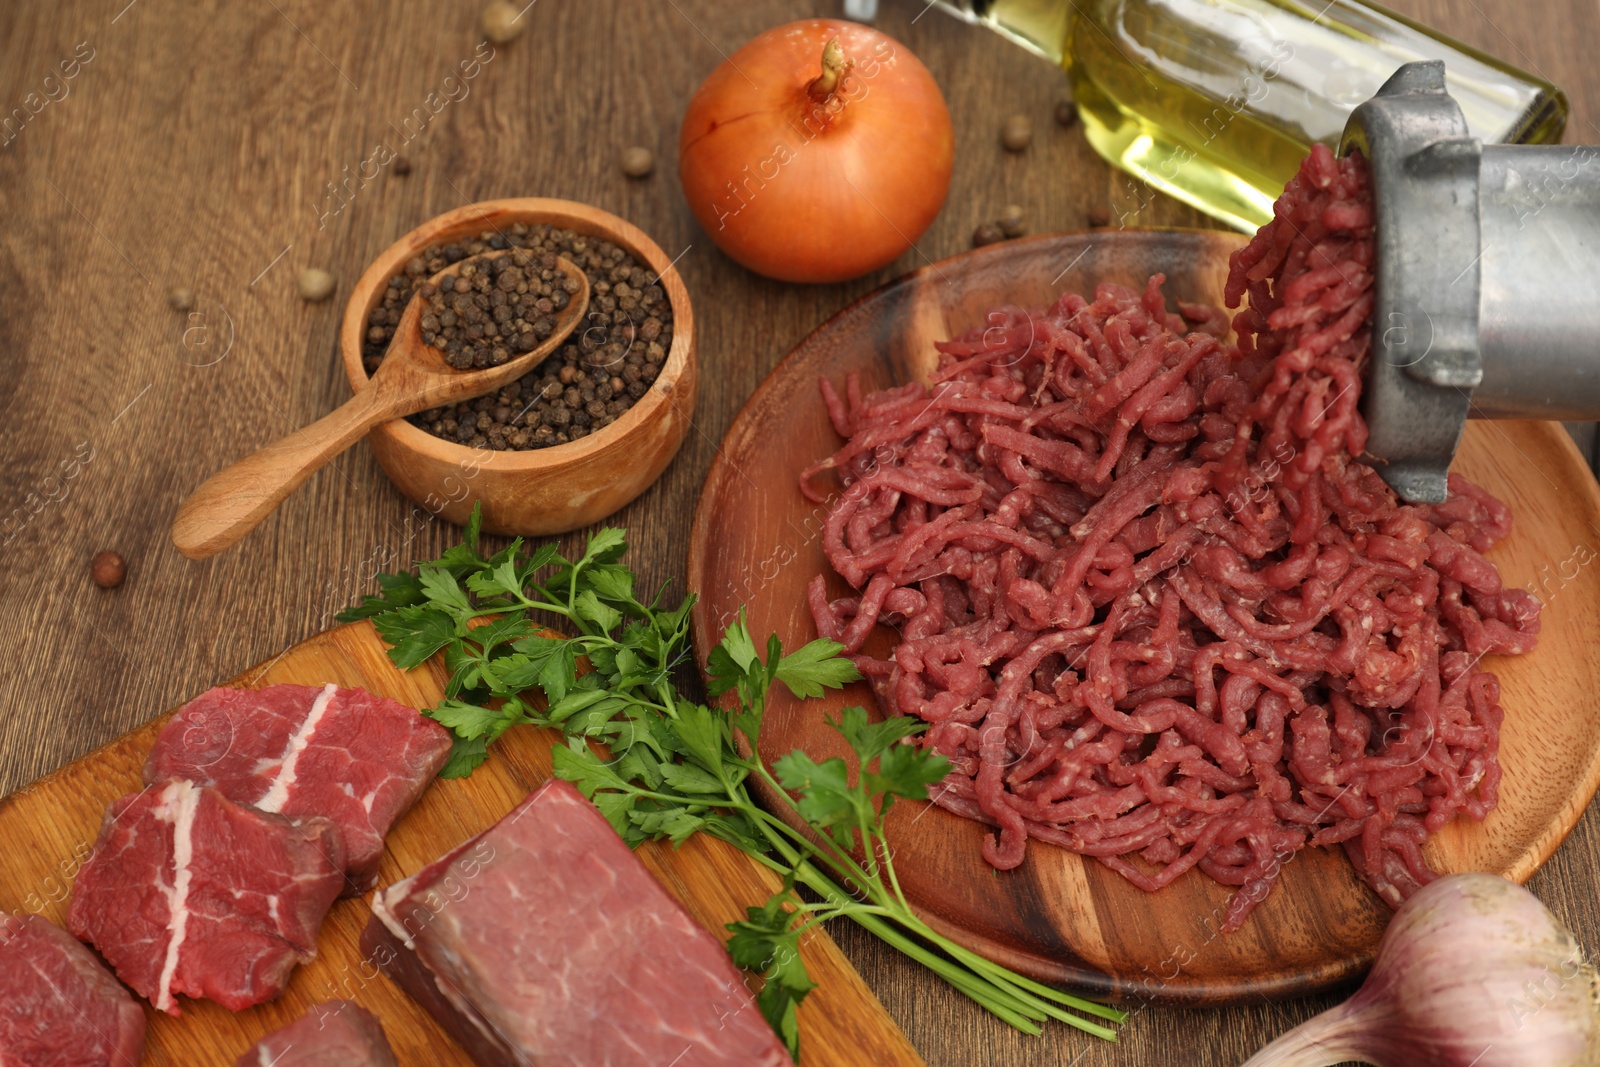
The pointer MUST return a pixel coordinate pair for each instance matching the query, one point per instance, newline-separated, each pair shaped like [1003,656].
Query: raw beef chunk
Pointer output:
[300,750]
[59,1006]
[188,892]
[338,1033]
[544,942]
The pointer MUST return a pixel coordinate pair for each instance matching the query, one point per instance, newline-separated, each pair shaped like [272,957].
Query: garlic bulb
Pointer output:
[1472,972]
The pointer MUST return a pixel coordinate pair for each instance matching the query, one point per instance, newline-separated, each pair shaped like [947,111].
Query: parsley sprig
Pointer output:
[662,766]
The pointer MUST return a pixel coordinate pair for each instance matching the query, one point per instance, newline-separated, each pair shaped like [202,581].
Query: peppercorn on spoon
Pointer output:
[413,377]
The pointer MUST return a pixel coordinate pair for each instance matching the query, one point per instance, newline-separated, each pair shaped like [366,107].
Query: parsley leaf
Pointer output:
[466,756]
[500,581]
[827,799]
[905,771]
[701,733]
[459,561]
[560,672]
[606,546]
[613,583]
[767,941]
[739,647]
[867,739]
[396,591]
[416,632]
[815,666]
[589,608]
[444,590]
[470,722]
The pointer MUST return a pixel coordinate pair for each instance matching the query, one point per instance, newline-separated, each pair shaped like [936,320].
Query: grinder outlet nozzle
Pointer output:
[1487,279]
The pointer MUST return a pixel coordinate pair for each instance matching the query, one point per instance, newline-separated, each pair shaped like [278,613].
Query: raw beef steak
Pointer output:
[59,1006]
[544,942]
[301,750]
[188,892]
[338,1033]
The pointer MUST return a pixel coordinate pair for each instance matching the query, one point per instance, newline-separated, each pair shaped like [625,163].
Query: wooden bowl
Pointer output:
[548,490]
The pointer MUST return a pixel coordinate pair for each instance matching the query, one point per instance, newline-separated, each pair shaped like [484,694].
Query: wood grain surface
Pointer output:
[195,147]
[757,542]
[50,826]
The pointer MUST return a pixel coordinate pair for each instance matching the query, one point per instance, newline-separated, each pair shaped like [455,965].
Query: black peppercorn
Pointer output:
[987,234]
[509,304]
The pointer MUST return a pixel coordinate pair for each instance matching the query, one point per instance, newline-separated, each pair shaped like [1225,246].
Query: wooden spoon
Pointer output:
[413,377]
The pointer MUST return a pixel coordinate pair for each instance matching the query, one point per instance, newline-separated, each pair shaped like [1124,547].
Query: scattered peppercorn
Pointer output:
[1017,133]
[181,299]
[316,285]
[638,161]
[501,21]
[402,165]
[1067,113]
[1099,216]
[987,234]
[602,369]
[1011,221]
[107,570]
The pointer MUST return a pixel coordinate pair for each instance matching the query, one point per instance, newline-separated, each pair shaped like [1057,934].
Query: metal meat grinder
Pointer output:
[1487,279]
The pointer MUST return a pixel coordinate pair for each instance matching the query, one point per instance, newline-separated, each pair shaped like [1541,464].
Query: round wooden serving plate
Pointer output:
[756,542]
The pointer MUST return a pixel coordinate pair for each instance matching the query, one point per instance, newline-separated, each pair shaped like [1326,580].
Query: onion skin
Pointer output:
[1472,972]
[816,187]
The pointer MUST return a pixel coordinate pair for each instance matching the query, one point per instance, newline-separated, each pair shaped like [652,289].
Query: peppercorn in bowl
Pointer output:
[585,431]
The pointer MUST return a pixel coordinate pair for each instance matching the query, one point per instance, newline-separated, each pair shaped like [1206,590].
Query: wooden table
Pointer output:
[194,148]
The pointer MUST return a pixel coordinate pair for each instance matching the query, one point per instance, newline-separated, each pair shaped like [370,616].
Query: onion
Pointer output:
[819,151]
[1472,972]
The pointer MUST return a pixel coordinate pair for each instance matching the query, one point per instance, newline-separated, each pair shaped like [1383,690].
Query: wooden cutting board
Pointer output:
[48,829]
[757,543]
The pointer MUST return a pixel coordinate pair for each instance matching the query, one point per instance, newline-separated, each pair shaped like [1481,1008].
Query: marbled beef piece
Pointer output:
[300,750]
[59,1006]
[188,892]
[336,1033]
[544,942]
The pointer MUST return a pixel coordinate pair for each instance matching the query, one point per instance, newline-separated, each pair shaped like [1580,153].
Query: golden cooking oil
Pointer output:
[1217,101]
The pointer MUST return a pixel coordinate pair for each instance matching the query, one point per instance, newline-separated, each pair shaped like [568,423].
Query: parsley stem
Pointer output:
[993,987]
[888,866]
[973,985]
[531,605]
[820,915]
[841,860]
[1009,996]
[1010,977]
[869,851]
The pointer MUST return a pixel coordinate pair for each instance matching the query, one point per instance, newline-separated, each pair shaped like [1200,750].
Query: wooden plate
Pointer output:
[756,541]
[49,828]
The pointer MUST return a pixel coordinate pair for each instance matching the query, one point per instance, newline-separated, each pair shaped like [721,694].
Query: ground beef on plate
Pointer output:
[1151,604]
